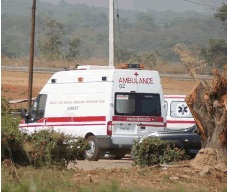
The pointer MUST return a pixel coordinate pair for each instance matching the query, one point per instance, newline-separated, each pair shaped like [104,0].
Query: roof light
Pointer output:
[80,79]
[131,66]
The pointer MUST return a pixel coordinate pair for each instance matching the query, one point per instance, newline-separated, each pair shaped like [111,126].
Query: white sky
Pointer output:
[142,5]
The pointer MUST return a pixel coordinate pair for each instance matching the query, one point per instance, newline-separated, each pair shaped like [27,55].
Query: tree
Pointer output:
[122,54]
[221,14]
[216,53]
[51,45]
[74,48]
[190,57]
[208,105]
[145,21]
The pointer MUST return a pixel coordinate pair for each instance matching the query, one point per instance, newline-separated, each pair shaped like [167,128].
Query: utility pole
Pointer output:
[30,78]
[111,32]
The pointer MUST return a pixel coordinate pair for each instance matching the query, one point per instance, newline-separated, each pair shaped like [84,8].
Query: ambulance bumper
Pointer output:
[107,142]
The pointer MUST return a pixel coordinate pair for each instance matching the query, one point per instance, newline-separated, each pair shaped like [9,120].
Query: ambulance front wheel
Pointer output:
[94,152]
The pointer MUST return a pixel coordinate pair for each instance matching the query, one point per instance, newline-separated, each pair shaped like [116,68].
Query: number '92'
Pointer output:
[121,86]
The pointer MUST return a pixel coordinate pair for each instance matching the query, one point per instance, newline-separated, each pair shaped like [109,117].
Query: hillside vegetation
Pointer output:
[140,32]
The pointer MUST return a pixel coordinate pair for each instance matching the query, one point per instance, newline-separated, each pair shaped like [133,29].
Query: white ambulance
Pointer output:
[178,113]
[107,106]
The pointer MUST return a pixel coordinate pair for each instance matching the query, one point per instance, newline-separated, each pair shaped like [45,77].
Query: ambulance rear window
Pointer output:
[137,104]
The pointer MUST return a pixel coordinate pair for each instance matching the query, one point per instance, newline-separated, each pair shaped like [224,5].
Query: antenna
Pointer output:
[111,32]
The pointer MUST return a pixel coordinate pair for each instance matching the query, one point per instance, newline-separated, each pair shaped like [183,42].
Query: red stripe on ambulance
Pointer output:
[62,125]
[75,119]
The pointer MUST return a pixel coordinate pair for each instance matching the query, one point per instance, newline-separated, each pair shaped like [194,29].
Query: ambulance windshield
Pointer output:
[137,104]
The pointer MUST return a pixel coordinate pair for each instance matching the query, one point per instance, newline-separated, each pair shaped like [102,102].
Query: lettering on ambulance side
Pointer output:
[73,108]
[78,102]
[129,80]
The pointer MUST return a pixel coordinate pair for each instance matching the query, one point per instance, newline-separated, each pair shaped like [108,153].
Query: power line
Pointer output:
[201,4]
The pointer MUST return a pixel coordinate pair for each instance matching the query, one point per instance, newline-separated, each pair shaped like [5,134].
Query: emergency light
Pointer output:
[131,66]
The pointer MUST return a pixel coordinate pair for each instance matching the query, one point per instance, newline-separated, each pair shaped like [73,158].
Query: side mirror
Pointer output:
[23,113]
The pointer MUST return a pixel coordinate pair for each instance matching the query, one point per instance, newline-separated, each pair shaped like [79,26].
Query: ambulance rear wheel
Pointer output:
[94,152]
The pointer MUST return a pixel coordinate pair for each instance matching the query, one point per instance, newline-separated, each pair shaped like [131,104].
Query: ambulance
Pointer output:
[178,114]
[109,107]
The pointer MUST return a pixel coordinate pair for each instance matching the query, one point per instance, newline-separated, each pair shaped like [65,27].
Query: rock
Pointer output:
[206,157]
[205,171]
[174,178]
[185,177]
[221,167]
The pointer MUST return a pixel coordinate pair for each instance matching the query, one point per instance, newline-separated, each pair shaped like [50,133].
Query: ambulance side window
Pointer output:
[179,109]
[38,108]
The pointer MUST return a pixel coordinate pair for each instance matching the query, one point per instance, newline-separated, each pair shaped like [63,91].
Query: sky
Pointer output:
[158,5]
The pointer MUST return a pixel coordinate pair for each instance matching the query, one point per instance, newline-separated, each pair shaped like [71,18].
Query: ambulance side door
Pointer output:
[36,118]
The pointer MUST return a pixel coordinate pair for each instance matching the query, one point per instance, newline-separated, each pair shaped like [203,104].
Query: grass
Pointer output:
[133,179]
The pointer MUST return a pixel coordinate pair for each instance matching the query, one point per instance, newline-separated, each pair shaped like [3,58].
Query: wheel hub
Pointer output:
[90,152]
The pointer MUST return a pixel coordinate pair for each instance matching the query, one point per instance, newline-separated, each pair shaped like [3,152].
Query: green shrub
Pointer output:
[43,148]
[48,147]
[11,139]
[152,151]
[5,107]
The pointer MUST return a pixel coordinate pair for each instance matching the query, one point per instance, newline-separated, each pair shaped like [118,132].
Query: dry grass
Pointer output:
[130,179]
[38,62]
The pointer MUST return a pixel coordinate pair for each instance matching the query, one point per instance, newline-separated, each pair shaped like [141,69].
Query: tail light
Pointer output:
[109,128]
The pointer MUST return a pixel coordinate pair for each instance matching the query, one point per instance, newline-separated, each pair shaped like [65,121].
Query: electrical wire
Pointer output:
[202,4]
[119,30]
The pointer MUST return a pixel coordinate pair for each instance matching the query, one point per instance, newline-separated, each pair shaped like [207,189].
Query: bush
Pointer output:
[152,151]
[11,139]
[5,107]
[48,147]
[43,148]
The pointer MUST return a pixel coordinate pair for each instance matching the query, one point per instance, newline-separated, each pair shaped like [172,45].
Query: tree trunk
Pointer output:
[208,105]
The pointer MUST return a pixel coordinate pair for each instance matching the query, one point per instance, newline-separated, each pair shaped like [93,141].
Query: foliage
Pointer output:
[11,139]
[42,148]
[148,59]
[5,106]
[143,32]
[50,47]
[190,56]
[216,53]
[152,151]
[221,14]
[145,21]
[122,54]
[74,50]
[48,147]
[135,58]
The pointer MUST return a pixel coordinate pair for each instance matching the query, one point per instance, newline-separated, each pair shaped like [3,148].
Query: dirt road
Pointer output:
[102,164]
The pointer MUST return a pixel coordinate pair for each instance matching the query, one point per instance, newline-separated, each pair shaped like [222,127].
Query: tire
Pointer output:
[120,155]
[94,153]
